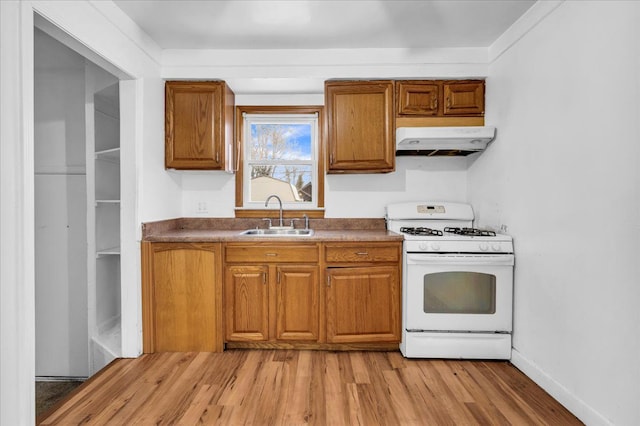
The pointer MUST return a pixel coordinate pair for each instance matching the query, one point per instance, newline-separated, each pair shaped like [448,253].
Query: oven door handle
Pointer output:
[459,259]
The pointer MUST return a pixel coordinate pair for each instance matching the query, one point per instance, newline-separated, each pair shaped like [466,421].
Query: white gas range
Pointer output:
[457,283]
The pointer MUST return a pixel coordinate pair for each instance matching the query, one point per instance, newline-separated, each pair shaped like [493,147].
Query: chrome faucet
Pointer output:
[279,201]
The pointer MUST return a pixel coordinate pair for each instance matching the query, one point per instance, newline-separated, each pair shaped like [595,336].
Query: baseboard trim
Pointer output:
[579,408]
[61,378]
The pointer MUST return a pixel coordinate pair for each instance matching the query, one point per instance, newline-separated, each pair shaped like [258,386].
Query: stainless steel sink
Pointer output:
[288,232]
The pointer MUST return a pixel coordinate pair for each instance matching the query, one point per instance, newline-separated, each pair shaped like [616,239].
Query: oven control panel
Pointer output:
[427,208]
[457,247]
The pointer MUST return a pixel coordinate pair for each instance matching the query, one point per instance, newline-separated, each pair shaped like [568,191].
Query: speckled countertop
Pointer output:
[228,229]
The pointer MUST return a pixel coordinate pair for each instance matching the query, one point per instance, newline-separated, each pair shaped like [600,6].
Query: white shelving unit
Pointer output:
[103,187]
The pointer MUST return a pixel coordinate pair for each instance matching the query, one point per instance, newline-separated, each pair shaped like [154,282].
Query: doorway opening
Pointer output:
[77,217]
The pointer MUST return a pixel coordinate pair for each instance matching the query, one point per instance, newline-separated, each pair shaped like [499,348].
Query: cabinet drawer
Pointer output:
[362,253]
[272,253]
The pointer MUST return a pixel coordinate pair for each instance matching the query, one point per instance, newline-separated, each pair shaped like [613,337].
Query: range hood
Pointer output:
[443,140]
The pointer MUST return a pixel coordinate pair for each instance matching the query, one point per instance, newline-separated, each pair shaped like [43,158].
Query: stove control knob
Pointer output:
[495,247]
[423,246]
[435,246]
[484,246]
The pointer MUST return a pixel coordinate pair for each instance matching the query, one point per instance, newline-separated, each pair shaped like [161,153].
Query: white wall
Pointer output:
[102,32]
[362,196]
[563,176]
[296,77]
[60,210]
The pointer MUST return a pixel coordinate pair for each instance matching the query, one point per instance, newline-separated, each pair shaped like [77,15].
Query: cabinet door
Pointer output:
[297,302]
[198,124]
[363,304]
[182,297]
[464,98]
[360,122]
[418,97]
[247,303]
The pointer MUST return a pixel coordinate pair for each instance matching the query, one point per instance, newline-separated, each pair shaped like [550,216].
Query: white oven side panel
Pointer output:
[417,266]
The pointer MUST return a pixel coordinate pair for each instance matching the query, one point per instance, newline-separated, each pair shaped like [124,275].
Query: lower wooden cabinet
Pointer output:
[275,301]
[197,296]
[363,300]
[246,306]
[297,302]
[362,305]
[182,297]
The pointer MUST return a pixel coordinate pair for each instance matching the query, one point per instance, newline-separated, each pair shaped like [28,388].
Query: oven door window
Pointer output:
[459,292]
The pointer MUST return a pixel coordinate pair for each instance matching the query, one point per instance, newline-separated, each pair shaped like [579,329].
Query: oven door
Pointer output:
[458,292]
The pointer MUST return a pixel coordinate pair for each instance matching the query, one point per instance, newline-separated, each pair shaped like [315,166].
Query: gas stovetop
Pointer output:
[423,231]
[443,227]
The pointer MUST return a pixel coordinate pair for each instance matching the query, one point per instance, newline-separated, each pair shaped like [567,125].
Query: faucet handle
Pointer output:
[304,217]
[268,220]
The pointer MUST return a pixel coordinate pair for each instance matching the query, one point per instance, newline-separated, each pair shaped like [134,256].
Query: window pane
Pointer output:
[280,141]
[291,182]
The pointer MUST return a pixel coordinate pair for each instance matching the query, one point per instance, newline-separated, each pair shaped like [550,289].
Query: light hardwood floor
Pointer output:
[295,387]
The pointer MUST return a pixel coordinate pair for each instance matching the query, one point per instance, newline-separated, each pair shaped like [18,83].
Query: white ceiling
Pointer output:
[323,24]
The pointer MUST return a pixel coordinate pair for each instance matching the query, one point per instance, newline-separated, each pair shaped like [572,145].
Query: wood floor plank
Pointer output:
[297,387]
[400,398]
[514,412]
[444,395]
[336,403]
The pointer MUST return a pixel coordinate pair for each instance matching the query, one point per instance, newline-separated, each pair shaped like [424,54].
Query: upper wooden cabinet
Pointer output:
[463,98]
[360,126]
[418,98]
[199,127]
[424,98]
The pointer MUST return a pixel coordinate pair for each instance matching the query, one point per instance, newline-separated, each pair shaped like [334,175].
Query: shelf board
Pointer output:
[112,251]
[112,155]
[107,201]
[110,339]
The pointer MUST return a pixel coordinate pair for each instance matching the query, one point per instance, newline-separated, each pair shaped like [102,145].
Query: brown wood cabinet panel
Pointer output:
[297,303]
[272,292]
[463,97]
[360,123]
[199,125]
[418,97]
[271,253]
[439,102]
[363,304]
[247,303]
[182,297]
[348,253]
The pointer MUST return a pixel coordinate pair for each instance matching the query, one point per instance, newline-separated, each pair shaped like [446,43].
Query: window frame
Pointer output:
[316,211]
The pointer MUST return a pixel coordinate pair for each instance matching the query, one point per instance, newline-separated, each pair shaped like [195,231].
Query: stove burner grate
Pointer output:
[473,232]
[420,231]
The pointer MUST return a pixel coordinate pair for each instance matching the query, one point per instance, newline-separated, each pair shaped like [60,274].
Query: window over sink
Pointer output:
[279,152]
